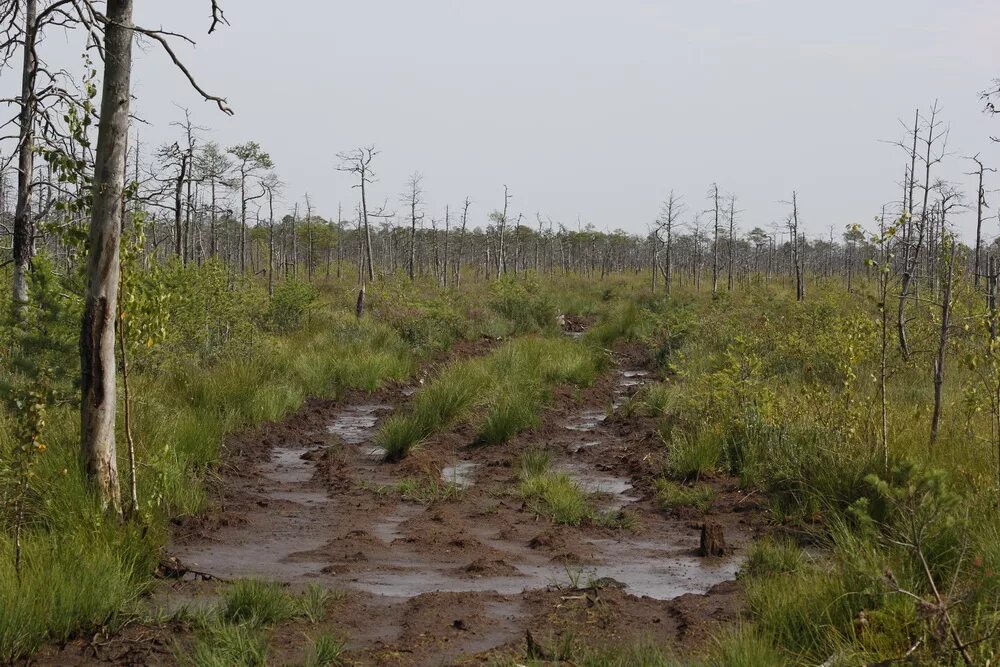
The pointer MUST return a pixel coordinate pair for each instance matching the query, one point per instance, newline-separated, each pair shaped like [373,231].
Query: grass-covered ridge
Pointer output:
[501,394]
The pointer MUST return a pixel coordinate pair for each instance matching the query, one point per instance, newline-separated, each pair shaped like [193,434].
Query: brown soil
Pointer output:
[461,579]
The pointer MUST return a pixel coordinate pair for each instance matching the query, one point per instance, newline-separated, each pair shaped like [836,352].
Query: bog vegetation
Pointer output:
[156,300]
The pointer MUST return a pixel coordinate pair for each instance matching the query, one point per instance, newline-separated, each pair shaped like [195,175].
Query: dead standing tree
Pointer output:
[669,213]
[42,106]
[950,198]
[414,199]
[981,204]
[358,162]
[912,250]
[713,194]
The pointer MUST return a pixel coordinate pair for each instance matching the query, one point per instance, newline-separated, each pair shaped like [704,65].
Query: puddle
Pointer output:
[633,379]
[288,466]
[591,481]
[387,530]
[574,334]
[460,474]
[587,420]
[353,425]
[302,497]
[643,570]
[267,557]
[579,447]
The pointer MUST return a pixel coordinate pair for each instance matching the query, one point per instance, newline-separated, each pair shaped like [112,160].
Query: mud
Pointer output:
[459,580]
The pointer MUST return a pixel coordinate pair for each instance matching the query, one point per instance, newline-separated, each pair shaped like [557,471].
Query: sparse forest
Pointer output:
[237,429]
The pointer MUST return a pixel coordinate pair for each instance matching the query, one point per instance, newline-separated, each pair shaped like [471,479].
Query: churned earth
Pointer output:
[438,560]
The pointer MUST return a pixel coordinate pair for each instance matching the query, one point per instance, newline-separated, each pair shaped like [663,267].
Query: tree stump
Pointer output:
[713,542]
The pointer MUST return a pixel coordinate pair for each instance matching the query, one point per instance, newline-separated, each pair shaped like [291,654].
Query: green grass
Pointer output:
[768,556]
[256,602]
[427,490]
[80,573]
[691,456]
[235,632]
[502,393]
[326,652]
[552,494]
[225,645]
[672,495]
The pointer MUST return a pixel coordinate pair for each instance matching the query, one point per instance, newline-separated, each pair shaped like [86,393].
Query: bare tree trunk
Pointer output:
[97,339]
[270,242]
[942,345]
[991,300]
[24,226]
[715,241]
[461,243]
[179,246]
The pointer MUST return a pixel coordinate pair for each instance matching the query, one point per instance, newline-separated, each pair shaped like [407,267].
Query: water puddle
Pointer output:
[581,446]
[592,481]
[630,379]
[353,425]
[288,466]
[587,420]
[642,571]
[460,474]
[388,529]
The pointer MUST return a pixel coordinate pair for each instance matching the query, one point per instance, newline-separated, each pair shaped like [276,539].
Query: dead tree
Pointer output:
[730,255]
[713,194]
[270,183]
[358,162]
[461,242]
[913,247]
[980,206]
[949,199]
[669,213]
[413,199]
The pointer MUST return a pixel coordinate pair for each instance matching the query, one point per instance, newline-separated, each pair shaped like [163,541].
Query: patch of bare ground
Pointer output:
[441,561]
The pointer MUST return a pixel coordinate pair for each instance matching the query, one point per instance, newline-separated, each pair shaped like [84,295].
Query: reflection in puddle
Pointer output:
[643,570]
[587,420]
[387,530]
[355,422]
[288,466]
[459,474]
[592,481]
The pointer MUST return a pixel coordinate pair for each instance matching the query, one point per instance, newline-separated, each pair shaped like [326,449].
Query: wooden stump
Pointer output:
[713,542]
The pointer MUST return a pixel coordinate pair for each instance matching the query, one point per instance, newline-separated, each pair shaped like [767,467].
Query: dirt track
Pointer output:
[456,580]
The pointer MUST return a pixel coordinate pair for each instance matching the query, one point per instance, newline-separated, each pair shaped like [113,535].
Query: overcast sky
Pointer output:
[589,110]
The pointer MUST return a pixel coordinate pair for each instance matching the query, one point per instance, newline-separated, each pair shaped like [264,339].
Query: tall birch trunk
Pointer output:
[97,339]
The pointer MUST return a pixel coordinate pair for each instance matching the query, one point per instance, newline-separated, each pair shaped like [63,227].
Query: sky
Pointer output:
[590,111]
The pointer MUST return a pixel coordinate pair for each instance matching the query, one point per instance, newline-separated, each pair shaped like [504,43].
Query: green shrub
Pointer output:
[291,305]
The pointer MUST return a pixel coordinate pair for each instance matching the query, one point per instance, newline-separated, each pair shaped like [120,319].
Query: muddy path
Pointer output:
[439,558]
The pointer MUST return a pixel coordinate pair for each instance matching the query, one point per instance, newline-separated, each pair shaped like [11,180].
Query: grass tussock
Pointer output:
[550,493]
[235,632]
[672,495]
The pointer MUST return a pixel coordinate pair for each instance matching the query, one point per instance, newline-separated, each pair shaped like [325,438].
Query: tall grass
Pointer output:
[785,396]
[552,494]
[81,572]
